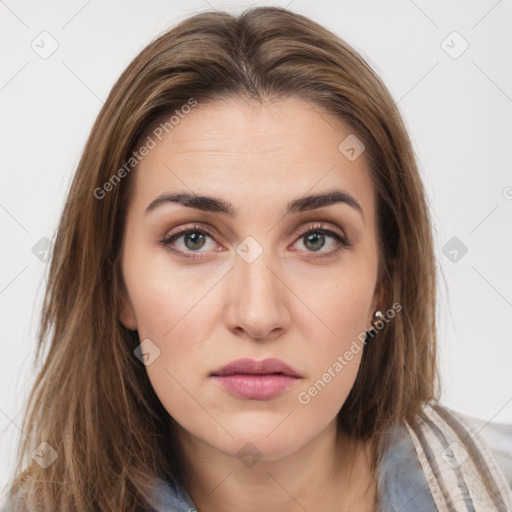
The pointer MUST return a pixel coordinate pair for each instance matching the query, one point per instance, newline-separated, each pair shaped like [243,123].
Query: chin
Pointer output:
[256,446]
[266,436]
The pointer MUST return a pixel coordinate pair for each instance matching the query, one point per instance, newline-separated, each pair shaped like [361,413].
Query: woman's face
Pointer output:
[255,277]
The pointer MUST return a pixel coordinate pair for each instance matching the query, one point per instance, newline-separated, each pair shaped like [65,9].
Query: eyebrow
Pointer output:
[216,205]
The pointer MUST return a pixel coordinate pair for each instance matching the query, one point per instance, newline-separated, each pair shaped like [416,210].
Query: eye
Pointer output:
[316,238]
[194,239]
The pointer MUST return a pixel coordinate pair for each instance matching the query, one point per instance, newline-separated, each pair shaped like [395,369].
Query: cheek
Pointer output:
[163,295]
[173,310]
[336,357]
[340,305]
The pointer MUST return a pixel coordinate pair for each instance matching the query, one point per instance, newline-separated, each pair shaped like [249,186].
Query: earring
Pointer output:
[370,333]
[377,316]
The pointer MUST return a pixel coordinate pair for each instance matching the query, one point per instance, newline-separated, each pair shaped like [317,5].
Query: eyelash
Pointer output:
[317,228]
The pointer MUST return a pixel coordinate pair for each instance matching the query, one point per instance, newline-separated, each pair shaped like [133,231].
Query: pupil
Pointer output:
[194,237]
[318,237]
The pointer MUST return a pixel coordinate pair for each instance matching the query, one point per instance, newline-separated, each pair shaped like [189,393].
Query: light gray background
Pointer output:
[458,112]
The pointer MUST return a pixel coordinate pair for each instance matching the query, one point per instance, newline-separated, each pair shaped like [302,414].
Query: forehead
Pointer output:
[258,154]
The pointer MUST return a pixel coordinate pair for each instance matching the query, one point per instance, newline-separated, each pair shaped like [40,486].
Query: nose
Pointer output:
[257,299]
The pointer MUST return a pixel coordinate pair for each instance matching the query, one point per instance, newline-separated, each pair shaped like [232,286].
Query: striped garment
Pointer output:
[461,472]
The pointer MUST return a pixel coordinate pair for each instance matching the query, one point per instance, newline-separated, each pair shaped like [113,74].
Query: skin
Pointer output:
[289,303]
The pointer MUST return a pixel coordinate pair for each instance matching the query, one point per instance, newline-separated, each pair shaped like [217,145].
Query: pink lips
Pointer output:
[256,380]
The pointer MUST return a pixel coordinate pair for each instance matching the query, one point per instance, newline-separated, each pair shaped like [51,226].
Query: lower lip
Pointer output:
[256,387]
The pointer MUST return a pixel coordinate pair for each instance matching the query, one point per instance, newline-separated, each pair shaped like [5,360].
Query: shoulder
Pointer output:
[459,466]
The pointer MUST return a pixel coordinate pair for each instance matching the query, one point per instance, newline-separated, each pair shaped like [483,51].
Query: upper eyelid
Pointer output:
[320,226]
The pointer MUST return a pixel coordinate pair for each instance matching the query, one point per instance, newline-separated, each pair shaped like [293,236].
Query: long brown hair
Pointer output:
[92,401]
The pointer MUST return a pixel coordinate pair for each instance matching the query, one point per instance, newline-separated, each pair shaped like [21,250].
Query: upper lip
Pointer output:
[250,366]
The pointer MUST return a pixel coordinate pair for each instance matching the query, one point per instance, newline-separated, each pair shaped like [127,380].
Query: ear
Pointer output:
[383,294]
[126,312]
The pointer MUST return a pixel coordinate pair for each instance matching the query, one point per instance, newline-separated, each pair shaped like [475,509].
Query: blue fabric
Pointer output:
[174,498]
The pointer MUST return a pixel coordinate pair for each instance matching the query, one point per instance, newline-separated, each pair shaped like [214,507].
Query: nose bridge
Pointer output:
[252,270]
[257,293]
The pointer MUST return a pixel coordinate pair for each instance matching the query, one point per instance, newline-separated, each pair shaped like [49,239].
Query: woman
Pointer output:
[240,311]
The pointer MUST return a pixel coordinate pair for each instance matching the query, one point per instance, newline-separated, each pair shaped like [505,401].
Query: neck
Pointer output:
[331,472]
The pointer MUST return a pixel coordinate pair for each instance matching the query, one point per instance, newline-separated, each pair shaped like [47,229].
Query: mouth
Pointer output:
[269,366]
[256,380]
